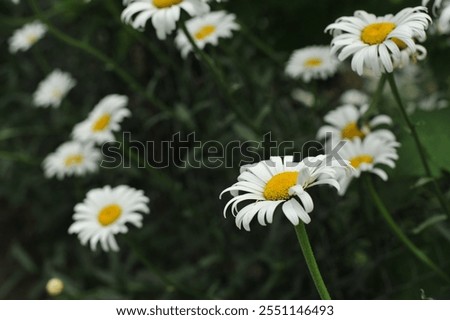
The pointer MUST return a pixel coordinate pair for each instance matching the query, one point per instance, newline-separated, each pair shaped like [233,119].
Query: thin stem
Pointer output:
[308,253]
[400,234]
[258,43]
[418,143]
[124,75]
[375,100]
[168,282]
[219,78]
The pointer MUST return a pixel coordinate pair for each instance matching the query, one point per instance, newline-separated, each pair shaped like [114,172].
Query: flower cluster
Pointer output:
[366,143]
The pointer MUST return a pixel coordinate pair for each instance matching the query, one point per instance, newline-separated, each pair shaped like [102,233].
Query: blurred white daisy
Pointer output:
[436,5]
[72,159]
[15,1]
[25,37]
[53,89]
[103,120]
[314,62]
[208,28]
[105,213]
[343,124]
[263,187]
[164,13]
[375,42]
[366,155]
[354,97]
[305,97]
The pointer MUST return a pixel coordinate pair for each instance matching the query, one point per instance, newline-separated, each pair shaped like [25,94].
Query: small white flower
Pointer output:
[314,62]
[205,29]
[105,213]
[263,187]
[164,13]
[354,97]
[53,89]
[343,124]
[365,156]
[27,36]
[15,1]
[303,96]
[443,21]
[375,43]
[103,120]
[72,159]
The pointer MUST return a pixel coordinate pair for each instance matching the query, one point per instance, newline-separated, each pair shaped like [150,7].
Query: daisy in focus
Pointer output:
[52,90]
[375,43]
[365,156]
[25,37]
[105,212]
[314,62]
[343,124]
[103,120]
[72,159]
[267,185]
[207,29]
[164,13]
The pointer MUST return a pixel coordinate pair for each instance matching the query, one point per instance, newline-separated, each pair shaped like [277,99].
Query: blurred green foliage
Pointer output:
[186,235]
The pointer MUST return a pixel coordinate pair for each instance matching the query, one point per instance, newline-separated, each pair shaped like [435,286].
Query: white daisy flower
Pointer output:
[314,62]
[53,89]
[343,124]
[103,120]
[205,29]
[375,42]
[105,213]
[164,13]
[366,155]
[263,187]
[436,5]
[15,1]
[25,37]
[354,97]
[72,159]
[443,21]
[305,97]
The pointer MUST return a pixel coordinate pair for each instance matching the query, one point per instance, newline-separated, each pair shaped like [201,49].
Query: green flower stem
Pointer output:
[124,75]
[219,78]
[308,253]
[156,52]
[374,102]
[168,282]
[258,43]
[419,145]
[400,234]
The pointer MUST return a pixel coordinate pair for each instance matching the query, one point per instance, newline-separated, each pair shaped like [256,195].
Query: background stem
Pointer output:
[399,233]
[418,143]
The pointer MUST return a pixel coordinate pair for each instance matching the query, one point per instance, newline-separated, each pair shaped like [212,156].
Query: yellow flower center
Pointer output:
[376,33]
[109,214]
[205,32]
[56,93]
[32,38]
[73,160]
[165,3]
[351,131]
[278,187]
[359,160]
[313,62]
[101,122]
